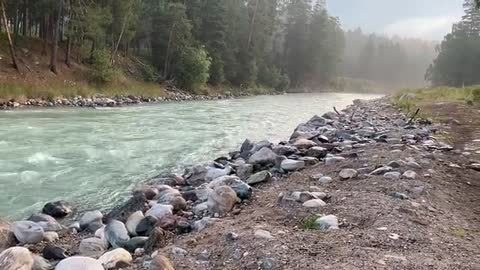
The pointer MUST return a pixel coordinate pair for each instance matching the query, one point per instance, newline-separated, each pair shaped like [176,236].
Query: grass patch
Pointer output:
[459,232]
[66,89]
[309,223]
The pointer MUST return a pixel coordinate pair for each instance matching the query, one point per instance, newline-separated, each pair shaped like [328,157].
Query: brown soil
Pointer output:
[437,228]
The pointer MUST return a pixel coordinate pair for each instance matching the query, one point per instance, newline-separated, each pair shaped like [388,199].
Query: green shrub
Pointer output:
[102,69]
[192,68]
[476,95]
[273,77]
[149,73]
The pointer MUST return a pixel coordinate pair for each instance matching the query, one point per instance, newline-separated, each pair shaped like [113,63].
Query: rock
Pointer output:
[398,195]
[149,191]
[168,222]
[160,262]
[346,174]
[244,171]
[200,225]
[92,247]
[28,232]
[160,210]
[327,223]
[146,225]
[117,258]
[179,252]
[50,236]
[7,238]
[325,180]
[183,226]
[135,243]
[79,263]
[292,165]
[231,236]
[16,258]
[382,170]
[315,203]
[263,176]
[317,151]
[158,239]
[51,252]
[304,144]
[263,234]
[41,218]
[263,157]
[133,221]
[123,211]
[222,199]
[392,175]
[40,263]
[333,160]
[91,218]
[195,176]
[116,233]
[204,255]
[50,226]
[266,263]
[174,199]
[410,175]
[75,226]
[243,190]
[284,150]
[213,173]
[57,209]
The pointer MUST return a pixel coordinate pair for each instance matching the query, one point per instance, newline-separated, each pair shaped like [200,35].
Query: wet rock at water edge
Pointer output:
[90,220]
[195,176]
[292,165]
[133,221]
[116,233]
[51,252]
[79,263]
[263,157]
[40,217]
[263,176]
[327,223]
[117,258]
[50,226]
[146,226]
[346,174]
[136,203]
[16,258]
[244,170]
[28,232]
[222,199]
[243,190]
[57,209]
[92,247]
[213,173]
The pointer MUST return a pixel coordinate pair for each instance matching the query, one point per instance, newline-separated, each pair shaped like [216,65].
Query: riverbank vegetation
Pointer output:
[194,45]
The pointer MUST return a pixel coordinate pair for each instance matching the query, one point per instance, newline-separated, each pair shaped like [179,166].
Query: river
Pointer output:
[93,157]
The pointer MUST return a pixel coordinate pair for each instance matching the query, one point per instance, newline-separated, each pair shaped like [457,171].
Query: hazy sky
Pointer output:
[426,19]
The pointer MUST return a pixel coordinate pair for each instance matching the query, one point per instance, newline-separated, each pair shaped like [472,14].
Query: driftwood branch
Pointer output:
[335,109]
[413,116]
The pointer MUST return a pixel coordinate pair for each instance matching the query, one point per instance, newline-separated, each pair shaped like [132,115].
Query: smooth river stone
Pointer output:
[57,209]
[28,232]
[16,258]
[89,218]
[79,263]
[133,221]
[160,210]
[117,257]
[116,233]
[92,247]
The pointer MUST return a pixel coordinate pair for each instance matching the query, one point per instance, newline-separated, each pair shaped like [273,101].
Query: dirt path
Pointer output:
[437,227]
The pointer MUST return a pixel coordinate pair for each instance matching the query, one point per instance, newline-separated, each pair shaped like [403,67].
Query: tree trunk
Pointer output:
[54,51]
[167,54]
[68,52]
[44,33]
[25,18]
[114,53]
[252,23]
[10,43]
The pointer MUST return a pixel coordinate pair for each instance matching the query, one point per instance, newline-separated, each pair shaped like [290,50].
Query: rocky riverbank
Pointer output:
[365,188]
[172,95]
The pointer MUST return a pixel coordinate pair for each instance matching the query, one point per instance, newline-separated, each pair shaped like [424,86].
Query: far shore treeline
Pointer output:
[274,44]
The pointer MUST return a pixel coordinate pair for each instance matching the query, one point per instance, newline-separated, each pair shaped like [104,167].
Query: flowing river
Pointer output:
[93,157]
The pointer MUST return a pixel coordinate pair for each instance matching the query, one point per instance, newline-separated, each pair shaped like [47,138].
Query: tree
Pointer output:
[10,43]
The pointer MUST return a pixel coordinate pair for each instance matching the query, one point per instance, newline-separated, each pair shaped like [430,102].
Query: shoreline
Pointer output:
[227,187]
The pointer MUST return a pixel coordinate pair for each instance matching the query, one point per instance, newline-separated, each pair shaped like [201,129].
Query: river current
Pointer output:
[92,158]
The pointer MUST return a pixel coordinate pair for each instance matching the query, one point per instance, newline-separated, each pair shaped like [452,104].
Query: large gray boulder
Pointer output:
[28,232]
[116,258]
[259,177]
[159,211]
[92,247]
[222,199]
[79,263]
[16,258]
[116,233]
[264,156]
[133,221]
[243,190]
[91,218]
